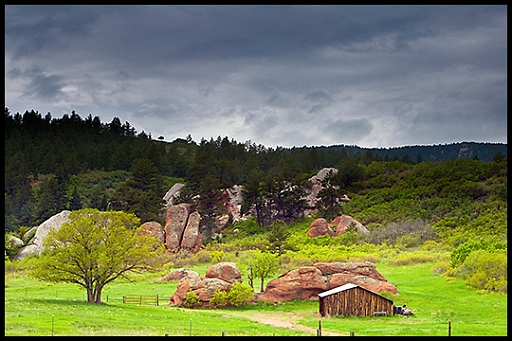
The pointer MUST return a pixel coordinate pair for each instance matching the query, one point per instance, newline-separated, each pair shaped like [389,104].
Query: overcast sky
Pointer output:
[371,76]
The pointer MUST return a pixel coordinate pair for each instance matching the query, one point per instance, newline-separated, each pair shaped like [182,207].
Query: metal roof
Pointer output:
[338,289]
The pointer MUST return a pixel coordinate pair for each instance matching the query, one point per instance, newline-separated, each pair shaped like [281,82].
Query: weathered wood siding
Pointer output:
[355,302]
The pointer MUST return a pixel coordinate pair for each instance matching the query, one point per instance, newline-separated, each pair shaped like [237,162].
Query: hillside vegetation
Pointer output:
[455,207]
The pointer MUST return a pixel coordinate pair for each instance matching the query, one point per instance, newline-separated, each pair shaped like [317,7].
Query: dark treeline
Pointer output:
[47,159]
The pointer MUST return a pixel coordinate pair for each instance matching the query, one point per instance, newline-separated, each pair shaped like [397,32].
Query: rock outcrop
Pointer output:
[182,228]
[307,282]
[339,225]
[219,276]
[35,245]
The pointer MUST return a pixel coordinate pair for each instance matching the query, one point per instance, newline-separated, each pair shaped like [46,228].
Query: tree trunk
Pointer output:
[262,280]
[90,295]
[97,299]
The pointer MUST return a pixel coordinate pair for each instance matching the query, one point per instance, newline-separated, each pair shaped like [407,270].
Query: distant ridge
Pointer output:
[484,151]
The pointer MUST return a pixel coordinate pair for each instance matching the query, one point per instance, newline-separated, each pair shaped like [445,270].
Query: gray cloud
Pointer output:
[276,75]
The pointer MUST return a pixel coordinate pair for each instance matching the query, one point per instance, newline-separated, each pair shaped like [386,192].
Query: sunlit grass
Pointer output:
[34,308]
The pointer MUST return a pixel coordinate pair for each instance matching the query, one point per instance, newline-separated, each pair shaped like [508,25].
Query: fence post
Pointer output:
[319,330]
[157,300]
[124,301]
[449,327]
[140,300]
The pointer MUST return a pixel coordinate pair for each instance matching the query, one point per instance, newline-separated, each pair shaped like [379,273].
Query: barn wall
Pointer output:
[354,302]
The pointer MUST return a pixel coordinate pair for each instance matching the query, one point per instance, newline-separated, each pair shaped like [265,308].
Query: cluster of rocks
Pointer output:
[220,276]
[307,282]
[339,225]
[304,283]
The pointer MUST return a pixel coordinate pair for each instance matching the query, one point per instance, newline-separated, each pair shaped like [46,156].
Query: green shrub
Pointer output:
[192,300]
[219,299]
[461,252]
[240,294]
[485,270]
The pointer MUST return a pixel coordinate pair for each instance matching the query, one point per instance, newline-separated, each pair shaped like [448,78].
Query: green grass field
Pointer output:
[34,308]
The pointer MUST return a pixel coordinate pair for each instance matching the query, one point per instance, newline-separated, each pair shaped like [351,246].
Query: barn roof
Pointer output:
[344,287]
[338,289]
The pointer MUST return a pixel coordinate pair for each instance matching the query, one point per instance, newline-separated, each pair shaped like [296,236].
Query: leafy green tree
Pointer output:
[264,265]
[94,249]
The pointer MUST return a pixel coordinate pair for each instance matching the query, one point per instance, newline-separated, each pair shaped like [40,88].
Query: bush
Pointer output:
[461,252]
[219,299]
[192,300]
[240,294]
[485,270]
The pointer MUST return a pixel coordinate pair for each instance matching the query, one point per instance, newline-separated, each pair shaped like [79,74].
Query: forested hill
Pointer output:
[53,164]
[484,151]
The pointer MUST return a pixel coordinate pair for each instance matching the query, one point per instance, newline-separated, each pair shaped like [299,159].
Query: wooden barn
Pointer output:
[352,300]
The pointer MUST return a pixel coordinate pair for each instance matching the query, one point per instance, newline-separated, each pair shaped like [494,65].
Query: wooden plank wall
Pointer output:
[355,302]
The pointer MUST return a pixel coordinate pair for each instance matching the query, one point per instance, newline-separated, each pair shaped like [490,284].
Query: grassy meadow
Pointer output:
[34,308]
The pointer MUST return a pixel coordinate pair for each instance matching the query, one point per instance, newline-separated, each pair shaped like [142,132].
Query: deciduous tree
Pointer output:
[94,249]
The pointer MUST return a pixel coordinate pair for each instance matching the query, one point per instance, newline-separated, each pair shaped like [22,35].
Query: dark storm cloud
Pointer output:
[276,75]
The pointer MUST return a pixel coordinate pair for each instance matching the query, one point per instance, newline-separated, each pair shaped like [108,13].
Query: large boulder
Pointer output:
[178,275]
[192,239]
[343,222]
[319,227]
[367,269]
[303,283]
[35,245]
[227,271]
[175,222]
[307,282]
[154,228]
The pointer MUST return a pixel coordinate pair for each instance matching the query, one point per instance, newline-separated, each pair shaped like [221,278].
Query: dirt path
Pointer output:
[283,320]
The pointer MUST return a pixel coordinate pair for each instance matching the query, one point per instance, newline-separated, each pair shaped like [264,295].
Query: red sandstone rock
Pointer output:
[175,222]
[303,283]
[307,282]
[155,228]
[227,271]
[191,232]
[343,222]
[319,227]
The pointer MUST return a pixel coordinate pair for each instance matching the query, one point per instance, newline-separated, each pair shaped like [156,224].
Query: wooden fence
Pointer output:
[142,299]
